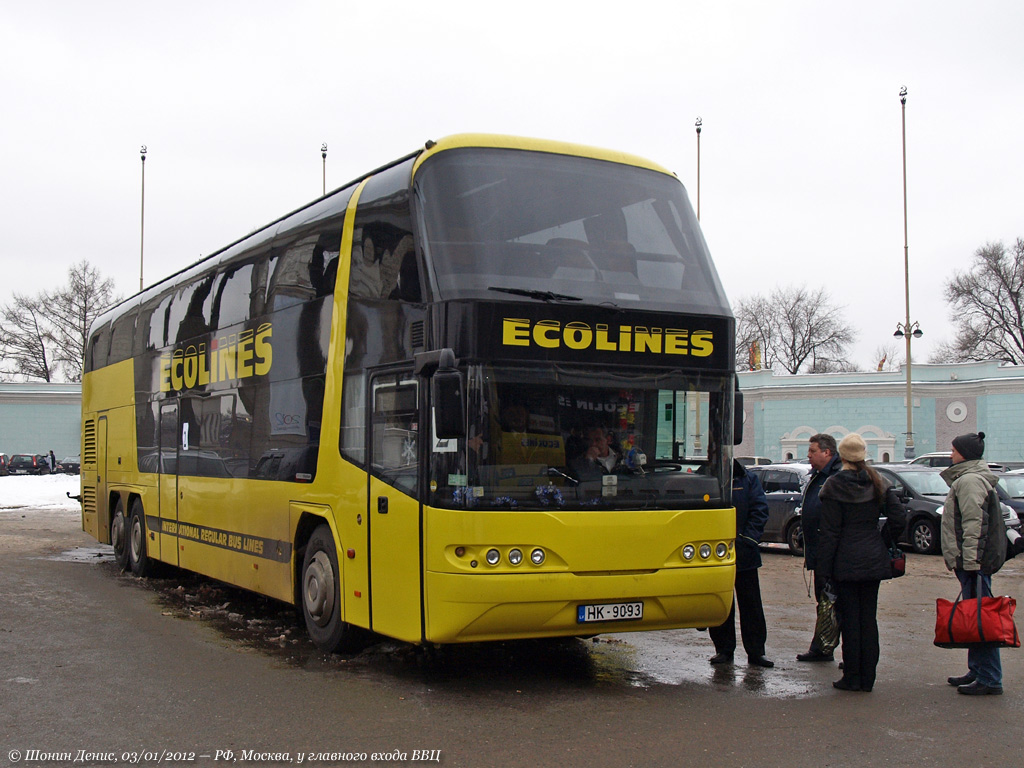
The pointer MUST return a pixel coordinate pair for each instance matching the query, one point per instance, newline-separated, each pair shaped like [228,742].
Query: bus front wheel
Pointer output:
[138,554]
[119,535]
[321,595]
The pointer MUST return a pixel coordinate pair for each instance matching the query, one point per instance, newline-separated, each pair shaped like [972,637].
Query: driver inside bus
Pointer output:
[600,457]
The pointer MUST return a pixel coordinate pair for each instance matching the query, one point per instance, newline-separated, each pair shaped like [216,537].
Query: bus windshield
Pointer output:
[562,228]
[560,440]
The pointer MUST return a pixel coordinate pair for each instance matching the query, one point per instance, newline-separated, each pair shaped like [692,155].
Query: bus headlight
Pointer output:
[688,552]
[721,550]
[493,556]
[537,556]
[515,556]
[705,551]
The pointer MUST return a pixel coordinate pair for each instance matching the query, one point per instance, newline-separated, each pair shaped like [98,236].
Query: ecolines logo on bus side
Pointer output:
[236,356]
[552,334]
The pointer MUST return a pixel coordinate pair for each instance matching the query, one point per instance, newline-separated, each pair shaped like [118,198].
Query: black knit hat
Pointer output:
[971,446]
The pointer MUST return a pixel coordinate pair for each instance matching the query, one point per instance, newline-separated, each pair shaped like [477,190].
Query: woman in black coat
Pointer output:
[854,555]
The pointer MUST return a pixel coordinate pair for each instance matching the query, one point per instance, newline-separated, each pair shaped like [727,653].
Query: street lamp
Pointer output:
[907,329]
[323,154]
[142,224]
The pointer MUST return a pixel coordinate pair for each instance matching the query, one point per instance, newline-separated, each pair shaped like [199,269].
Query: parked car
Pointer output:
[945,459]
[753,461]
[1011,494]
[29,464]
[4,460]
[923,492]
[70,465]
[937,459]
[783,485]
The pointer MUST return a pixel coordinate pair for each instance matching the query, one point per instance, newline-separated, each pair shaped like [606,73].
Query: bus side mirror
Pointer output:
[447,399]
[737,418]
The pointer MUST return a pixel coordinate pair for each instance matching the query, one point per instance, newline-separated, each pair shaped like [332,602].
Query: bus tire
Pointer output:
[320,595]
[138,554]
[119,535]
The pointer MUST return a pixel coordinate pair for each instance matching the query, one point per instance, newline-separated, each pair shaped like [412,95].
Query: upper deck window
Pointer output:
[497,220]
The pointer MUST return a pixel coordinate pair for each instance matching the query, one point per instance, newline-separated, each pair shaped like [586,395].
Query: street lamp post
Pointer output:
[696,436]
[698,124]
[142,224]
[907,329]
[323,154]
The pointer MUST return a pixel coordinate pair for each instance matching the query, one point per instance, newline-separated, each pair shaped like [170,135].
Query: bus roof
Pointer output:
[499,141]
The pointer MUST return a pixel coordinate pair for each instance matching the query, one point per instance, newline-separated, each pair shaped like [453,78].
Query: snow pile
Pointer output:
[44,492]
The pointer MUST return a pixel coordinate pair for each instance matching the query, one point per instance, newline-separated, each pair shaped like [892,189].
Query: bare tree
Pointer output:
[27,339]
[47,334]
[987,302]
[795,328]
[72,310]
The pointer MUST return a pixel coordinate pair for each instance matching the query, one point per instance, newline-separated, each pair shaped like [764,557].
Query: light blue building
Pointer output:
[782,411]
[36,417]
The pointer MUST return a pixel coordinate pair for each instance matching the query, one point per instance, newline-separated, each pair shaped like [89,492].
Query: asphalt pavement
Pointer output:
[98,667]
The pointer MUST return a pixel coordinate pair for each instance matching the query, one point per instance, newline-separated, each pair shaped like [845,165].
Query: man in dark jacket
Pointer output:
[751,515]
[824,459]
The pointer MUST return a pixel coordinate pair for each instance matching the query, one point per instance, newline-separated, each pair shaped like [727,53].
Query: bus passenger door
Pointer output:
[168,463]
[394,511]
[102,495]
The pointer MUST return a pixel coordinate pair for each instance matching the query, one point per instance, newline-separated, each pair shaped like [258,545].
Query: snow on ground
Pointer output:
[42,492]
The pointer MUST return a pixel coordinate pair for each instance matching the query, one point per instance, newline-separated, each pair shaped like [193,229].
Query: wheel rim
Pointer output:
[795,536]
[117,533]
[923,537]
[318,589]
[136,542]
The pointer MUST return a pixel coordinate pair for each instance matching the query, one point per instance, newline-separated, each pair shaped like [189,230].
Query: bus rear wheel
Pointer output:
[321,595]
[138,554]
[119,535]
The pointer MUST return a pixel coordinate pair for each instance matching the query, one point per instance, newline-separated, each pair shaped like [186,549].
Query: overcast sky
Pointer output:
[800,154]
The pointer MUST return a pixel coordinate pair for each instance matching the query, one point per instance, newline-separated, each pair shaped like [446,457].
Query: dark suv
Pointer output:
[923,492]
[29,464]
[783,485]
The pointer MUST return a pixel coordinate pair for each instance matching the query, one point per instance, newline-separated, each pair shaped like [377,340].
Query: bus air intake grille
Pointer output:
[89,442]
[88,500]
[416,335]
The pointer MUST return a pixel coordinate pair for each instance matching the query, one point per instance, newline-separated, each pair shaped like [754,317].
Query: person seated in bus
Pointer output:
[600,458]
[365,282]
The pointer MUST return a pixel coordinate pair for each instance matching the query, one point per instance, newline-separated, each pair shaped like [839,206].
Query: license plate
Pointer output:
[609,612]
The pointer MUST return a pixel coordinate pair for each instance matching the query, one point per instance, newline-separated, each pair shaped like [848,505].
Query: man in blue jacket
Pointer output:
[751,515]
[824,459]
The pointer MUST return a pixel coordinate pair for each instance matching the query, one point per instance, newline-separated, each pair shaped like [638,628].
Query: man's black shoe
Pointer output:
[760,661]
[956,682]
[845,685]
[980,689]
[814,656]
[721,658]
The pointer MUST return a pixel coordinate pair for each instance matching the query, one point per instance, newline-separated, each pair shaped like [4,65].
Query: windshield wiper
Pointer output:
[542,295]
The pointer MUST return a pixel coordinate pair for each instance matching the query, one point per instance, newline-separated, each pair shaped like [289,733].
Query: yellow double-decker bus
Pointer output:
[484,392]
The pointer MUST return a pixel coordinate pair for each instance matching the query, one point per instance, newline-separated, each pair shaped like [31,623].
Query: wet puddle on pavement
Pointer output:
[674,658]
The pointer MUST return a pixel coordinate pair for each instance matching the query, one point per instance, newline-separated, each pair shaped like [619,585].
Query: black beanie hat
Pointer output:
[971,446]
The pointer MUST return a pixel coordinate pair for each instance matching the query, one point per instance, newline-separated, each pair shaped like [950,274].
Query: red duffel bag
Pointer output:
[981,622]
